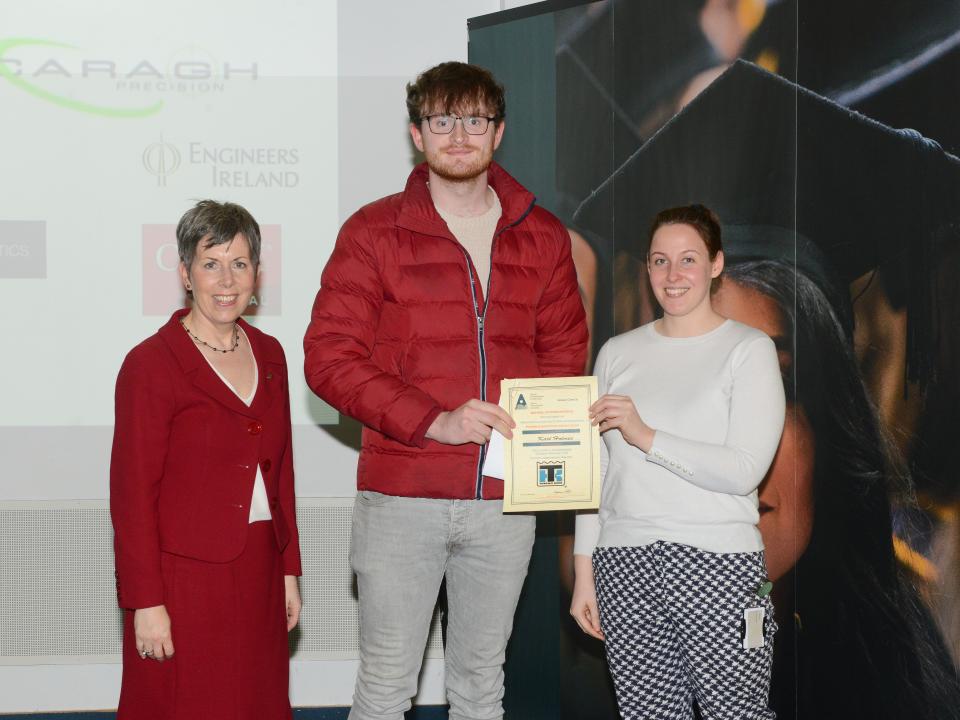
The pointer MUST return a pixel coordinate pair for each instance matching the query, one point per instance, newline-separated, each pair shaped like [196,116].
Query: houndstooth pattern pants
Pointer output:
[672,616]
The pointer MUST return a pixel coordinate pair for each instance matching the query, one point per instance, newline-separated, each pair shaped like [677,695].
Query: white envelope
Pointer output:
[493,464]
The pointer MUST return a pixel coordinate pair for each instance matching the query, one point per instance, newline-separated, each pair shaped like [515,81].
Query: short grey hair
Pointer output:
[215,223]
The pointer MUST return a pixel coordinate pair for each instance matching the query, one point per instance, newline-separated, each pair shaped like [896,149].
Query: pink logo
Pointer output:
[163,292]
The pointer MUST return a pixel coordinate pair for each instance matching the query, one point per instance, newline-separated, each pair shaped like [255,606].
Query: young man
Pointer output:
[429,299]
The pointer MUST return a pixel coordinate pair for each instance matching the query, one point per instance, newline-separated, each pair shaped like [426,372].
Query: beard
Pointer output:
[459,169]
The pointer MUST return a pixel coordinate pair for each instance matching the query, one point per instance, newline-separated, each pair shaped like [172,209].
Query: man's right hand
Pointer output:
[470,423]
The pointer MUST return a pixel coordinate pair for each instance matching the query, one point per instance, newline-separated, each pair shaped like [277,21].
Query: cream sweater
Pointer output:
[476,235]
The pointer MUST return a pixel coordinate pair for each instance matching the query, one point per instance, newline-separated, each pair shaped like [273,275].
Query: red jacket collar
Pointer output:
[190,360]
[417,211]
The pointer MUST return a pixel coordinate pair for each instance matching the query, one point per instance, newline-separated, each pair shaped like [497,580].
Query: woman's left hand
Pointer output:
[618,411]
[292,603]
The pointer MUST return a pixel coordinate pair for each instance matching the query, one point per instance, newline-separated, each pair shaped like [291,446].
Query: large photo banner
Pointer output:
[824,135]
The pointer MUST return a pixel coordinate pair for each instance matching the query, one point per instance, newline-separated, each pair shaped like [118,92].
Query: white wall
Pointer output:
[103,149]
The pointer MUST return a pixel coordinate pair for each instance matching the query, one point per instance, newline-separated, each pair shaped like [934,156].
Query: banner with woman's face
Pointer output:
[841,239]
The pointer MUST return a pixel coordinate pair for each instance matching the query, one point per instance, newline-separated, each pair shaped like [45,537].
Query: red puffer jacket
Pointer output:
[401,331]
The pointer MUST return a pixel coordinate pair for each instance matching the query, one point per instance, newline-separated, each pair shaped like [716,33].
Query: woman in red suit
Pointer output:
[202,498]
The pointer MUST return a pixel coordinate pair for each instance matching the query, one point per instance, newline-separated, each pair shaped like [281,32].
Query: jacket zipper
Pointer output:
[483,358]
[481,320]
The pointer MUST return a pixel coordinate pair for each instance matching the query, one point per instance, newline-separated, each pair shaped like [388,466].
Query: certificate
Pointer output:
[553,460]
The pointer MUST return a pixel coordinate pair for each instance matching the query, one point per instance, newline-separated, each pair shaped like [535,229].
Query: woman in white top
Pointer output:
[691,416]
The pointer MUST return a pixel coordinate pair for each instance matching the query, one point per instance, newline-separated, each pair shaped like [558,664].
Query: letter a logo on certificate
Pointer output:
[553,460]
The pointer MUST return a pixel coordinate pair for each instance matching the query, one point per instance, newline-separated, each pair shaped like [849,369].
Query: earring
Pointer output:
[189,288]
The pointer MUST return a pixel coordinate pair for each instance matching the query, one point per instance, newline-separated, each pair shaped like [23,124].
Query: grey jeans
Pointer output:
[401,550]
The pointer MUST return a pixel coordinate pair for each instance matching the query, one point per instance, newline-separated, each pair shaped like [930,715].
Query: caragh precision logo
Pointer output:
[44,69]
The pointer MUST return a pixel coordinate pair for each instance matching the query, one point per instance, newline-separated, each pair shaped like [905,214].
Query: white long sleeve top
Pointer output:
[717,406]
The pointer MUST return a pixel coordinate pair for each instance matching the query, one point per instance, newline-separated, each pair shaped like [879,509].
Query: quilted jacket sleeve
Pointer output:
[339,344]
[561,340]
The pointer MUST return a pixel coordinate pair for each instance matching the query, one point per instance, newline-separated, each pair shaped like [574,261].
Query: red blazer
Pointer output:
[185,451]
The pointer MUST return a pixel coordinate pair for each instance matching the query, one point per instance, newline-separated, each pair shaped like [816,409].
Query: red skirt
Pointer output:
[228,621]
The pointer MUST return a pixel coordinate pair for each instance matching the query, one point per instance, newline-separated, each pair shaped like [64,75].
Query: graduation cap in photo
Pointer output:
[621,67]
[638,53]
[793,176]
[897,62]
[920,94]
[848,50]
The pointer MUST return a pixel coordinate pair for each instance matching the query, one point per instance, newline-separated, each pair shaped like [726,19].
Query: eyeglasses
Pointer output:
[444,124]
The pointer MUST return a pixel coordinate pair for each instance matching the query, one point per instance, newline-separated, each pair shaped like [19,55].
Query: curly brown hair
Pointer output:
[455,87]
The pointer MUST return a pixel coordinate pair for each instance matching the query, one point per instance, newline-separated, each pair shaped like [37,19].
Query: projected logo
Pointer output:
[23,249]
[163,292]
[160,160]
[226,166]
[53,71]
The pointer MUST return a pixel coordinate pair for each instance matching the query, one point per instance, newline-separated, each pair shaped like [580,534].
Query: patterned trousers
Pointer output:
[673,620]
